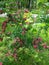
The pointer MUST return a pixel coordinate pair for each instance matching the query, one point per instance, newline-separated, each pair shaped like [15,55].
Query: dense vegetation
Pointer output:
[24,32]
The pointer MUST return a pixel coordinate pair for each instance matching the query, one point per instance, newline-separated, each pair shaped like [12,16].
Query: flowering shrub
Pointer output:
[24,39]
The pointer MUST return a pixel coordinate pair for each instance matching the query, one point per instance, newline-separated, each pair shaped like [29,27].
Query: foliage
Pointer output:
[24,36]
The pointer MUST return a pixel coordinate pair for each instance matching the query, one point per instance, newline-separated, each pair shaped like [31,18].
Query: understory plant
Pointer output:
[24,38]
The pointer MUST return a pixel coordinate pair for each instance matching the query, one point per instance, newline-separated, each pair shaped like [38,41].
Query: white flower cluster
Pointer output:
[3,15]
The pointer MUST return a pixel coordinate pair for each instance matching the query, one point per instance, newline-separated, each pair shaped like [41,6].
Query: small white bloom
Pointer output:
[34,15]
[3,15]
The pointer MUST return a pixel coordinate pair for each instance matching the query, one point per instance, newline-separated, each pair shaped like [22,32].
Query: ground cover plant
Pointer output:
[24,36]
